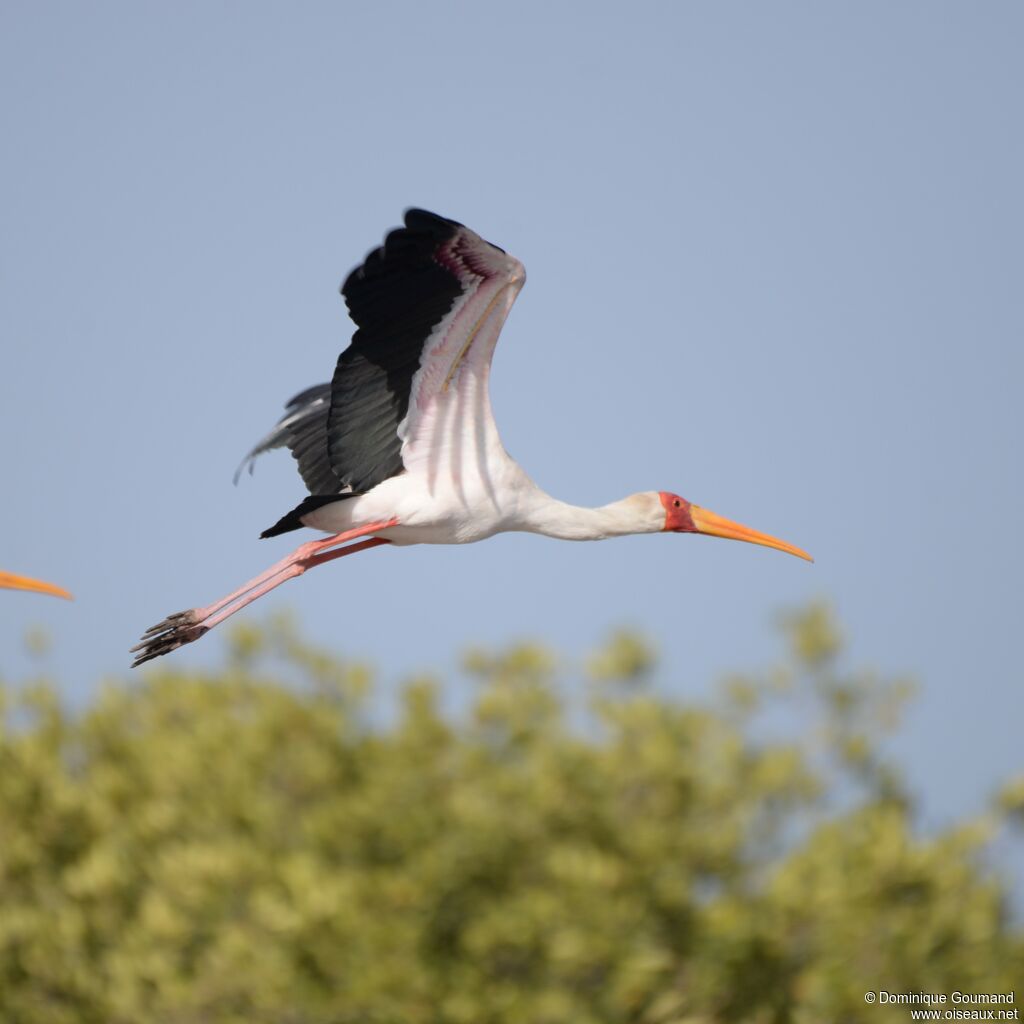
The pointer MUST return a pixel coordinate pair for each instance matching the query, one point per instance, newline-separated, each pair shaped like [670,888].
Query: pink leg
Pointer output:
[299,554]
[297,568]
[185,627]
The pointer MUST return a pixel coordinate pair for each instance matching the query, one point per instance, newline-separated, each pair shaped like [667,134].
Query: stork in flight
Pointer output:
[401,446]
[10,581]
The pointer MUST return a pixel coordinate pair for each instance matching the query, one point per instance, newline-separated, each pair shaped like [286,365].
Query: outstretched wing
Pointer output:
[303,430]
[428,306]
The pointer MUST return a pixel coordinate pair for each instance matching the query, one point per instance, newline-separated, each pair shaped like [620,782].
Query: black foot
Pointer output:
[175,631]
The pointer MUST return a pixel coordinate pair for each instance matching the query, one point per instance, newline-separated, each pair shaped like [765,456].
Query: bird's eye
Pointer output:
[675,504]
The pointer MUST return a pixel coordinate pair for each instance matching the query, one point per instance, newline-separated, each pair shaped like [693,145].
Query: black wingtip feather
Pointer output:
[293,520]
[421,226]
[418,219]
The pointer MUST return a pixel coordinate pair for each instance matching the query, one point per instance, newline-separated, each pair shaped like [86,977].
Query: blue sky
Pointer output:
[774,257]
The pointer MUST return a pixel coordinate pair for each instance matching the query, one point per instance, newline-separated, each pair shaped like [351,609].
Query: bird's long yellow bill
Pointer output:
[13,582]
[718,526]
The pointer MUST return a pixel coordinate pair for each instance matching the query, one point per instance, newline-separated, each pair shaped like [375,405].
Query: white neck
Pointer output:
[639,513]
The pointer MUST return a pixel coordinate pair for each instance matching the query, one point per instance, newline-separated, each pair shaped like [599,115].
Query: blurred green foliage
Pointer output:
[263,845]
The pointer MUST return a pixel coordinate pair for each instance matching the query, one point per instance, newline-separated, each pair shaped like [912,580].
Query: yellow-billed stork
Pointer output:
[11,581]
[401,446]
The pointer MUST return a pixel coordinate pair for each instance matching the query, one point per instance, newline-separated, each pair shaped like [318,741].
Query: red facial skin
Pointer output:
[677,513]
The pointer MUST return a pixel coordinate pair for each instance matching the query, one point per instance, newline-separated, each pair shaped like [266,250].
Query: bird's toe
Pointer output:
[173,632]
